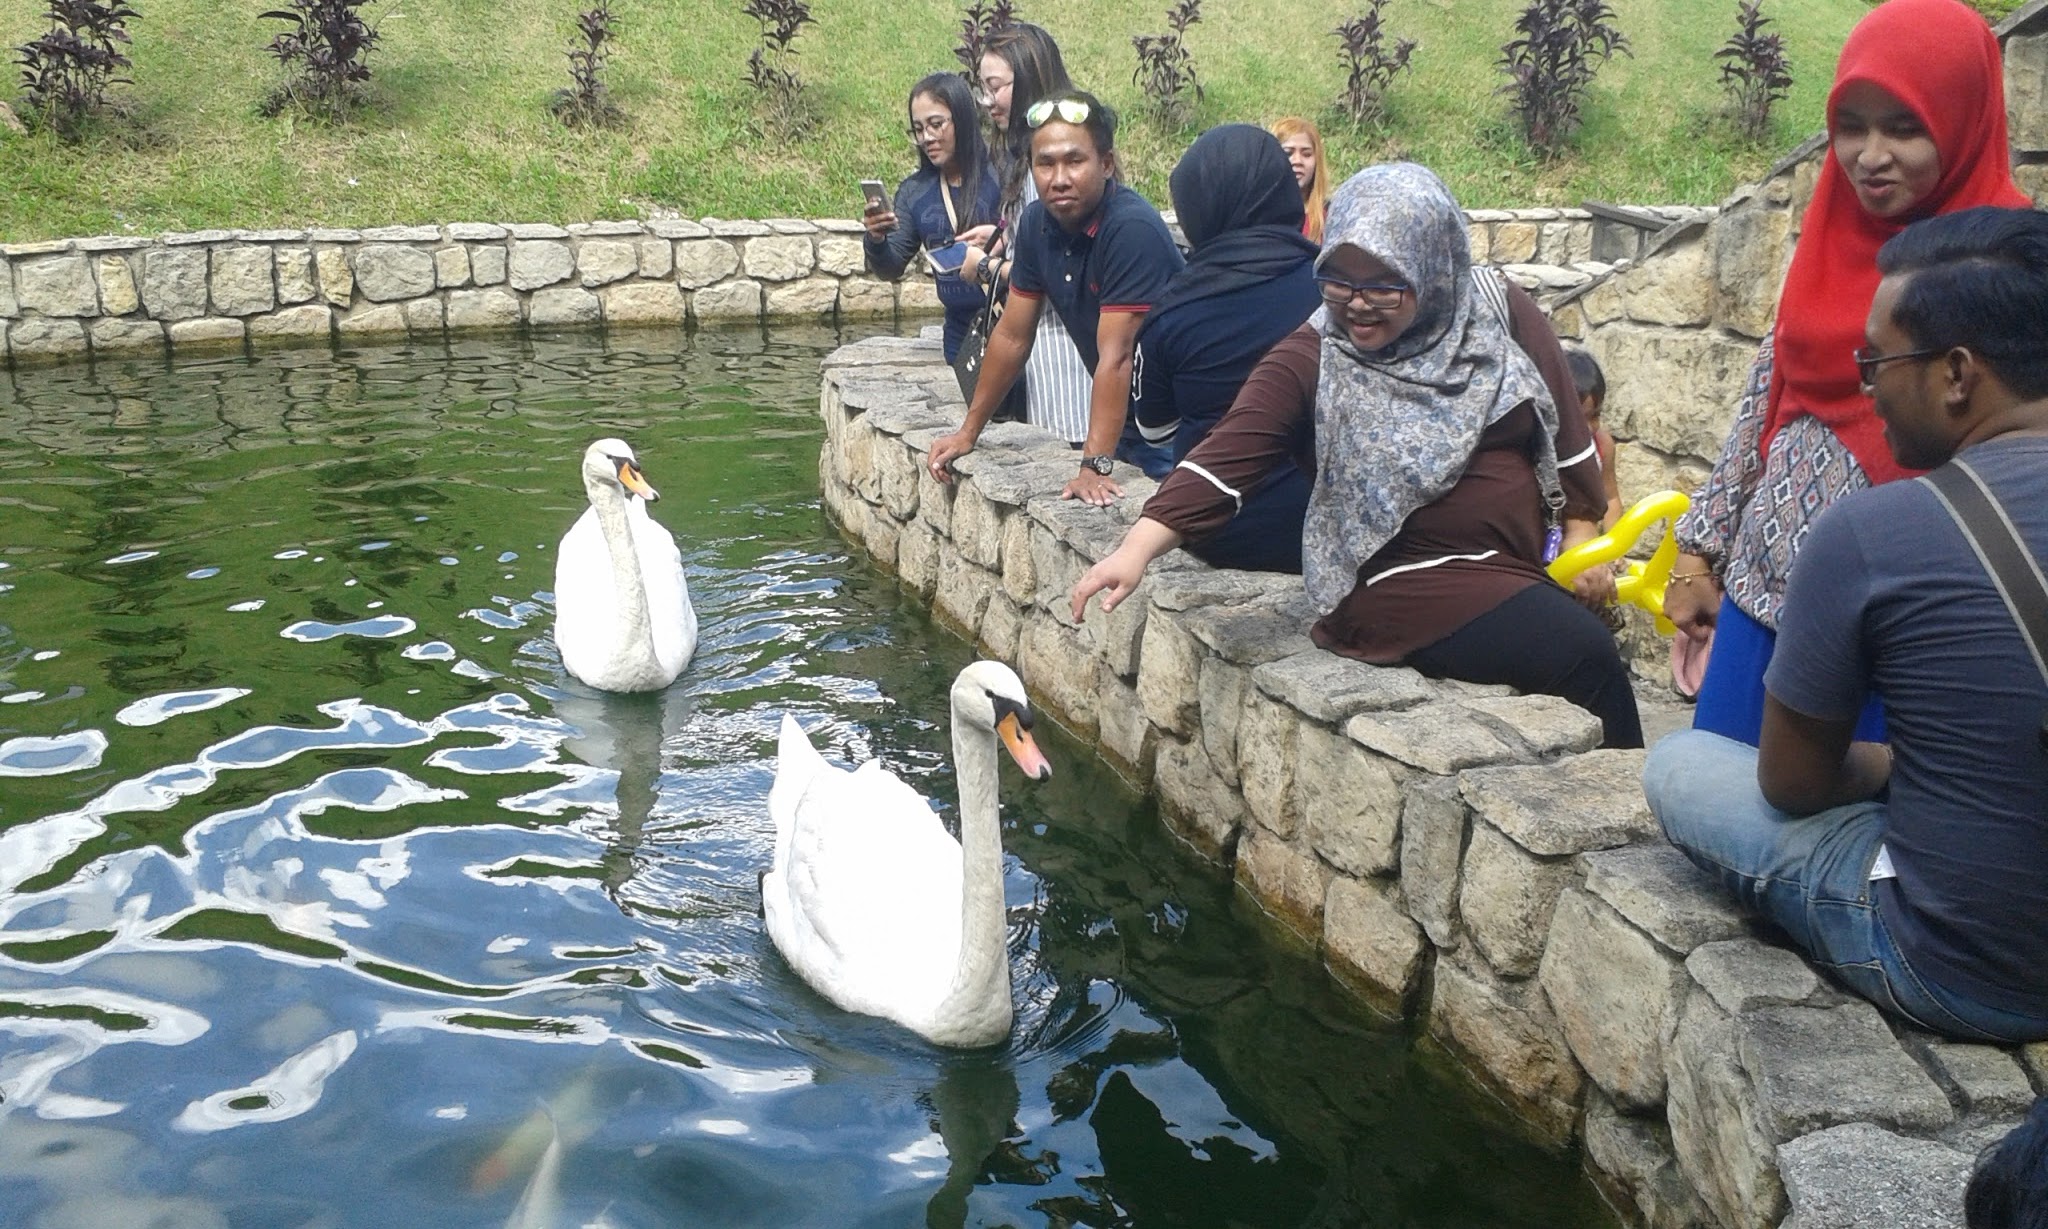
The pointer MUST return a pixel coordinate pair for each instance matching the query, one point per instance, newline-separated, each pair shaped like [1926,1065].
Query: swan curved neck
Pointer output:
[636,625]
[981,983]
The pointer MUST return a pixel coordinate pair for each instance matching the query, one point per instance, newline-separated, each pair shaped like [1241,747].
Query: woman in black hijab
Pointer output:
[1249,282]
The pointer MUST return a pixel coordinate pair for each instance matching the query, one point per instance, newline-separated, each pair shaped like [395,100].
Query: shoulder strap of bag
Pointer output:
[2005,557]
[946,195]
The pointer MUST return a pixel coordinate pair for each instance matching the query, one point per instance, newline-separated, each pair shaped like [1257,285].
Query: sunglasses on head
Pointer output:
[1072,110]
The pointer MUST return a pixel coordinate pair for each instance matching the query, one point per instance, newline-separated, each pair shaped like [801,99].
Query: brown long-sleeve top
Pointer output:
[1453,560]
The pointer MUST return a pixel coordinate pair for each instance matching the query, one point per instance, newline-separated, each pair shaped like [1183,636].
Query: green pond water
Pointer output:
[326,899]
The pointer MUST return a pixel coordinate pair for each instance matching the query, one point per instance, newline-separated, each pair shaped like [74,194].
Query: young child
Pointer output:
[1592,385]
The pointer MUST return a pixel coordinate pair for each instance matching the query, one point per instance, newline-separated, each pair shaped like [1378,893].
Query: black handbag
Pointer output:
[974,346]
[973,349]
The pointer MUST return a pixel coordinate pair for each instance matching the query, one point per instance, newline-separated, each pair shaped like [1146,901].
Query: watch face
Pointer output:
[1101,465]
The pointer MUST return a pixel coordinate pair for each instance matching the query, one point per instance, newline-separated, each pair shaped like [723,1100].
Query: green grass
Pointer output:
[459,130]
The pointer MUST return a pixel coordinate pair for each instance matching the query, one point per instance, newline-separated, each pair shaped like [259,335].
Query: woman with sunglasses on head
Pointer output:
[1916,123]
[1020,66]
[1432,407]
[952,191]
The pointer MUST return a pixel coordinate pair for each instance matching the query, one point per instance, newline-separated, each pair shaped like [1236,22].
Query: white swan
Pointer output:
[873,903]
[623,620]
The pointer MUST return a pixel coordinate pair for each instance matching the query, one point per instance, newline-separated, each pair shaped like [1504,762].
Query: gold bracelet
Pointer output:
[1688,577]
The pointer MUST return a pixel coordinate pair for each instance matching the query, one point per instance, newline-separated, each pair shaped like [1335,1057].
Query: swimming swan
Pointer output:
[873,903]
[623,620]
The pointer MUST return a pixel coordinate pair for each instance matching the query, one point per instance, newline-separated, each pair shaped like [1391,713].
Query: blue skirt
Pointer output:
[1731,700]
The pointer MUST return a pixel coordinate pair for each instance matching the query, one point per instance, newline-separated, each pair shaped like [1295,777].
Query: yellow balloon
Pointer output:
[1643,583]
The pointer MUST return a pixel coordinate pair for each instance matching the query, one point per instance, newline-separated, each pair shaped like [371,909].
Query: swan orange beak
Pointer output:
[629,477]
[1018,742]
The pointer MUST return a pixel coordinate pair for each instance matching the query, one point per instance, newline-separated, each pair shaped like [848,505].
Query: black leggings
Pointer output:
[1541,640]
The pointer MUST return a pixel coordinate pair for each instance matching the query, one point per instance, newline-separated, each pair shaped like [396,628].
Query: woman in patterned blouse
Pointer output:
[1916,122]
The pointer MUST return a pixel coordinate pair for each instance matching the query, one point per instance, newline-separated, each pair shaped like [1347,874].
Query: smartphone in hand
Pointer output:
[875,194]
[946,259]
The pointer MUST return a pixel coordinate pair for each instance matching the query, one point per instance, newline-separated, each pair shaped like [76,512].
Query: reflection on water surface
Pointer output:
[326,899]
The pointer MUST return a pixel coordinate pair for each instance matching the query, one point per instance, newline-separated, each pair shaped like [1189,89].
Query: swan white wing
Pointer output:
[586,599]
[870,895]
[669,613]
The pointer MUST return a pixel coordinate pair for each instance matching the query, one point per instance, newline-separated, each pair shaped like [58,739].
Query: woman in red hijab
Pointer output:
[1916,124]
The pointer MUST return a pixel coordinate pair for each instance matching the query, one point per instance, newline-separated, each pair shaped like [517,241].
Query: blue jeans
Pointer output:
[1810,875]
[1155,459]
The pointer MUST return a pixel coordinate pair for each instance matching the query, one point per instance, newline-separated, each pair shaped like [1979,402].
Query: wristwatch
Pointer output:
[1101,465]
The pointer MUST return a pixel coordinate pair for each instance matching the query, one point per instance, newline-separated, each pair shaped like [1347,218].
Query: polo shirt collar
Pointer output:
[1094,226]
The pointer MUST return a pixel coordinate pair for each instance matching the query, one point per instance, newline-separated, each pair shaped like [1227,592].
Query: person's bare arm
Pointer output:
[1001,363]
[1116,340]
[1807,764]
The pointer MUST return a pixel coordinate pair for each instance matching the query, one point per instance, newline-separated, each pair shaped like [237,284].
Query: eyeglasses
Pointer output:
[1380,296]
[1868,360]
[1072,110]
[935,125]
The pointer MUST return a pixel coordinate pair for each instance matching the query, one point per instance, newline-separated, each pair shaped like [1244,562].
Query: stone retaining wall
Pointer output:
[67,298]
[70,298]
[1454,851]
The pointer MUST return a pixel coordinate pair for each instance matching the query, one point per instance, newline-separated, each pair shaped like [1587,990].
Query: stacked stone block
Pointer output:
[67,299]
[1454,851]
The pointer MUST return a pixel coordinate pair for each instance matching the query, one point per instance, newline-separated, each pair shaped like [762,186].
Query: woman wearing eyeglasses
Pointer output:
[1916,120]
[953,190]
[1432,406]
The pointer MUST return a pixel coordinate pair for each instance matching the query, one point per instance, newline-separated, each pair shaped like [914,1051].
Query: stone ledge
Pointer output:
[1450,850]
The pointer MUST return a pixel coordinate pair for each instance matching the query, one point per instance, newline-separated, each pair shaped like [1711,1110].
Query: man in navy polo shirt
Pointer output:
[1102,256]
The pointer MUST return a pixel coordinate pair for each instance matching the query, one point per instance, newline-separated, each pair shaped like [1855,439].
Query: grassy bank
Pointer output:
[459,128]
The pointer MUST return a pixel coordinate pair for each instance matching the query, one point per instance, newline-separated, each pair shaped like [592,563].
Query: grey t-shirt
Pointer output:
[1888,596]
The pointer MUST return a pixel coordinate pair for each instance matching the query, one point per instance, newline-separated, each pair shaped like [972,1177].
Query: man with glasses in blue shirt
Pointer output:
[1101,254]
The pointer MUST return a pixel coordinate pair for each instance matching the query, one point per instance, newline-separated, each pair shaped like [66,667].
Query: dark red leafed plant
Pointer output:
[1369,63]
[1166,70]
[66,72]
[324,53]
[1754,71]
[771,69]
[1550,66]
[587,103]
[980,21]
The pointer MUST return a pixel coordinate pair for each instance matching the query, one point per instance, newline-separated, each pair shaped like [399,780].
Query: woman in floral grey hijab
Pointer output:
[1433,405]
[1395,426]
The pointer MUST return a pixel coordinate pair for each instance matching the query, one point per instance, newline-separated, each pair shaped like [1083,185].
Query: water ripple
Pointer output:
[289,1090]
[33,756]
[382,627]
[155,710]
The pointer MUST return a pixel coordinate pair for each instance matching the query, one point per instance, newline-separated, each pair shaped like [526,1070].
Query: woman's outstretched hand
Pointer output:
[1692,597]
[1114,578]
[1122,569]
